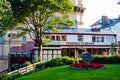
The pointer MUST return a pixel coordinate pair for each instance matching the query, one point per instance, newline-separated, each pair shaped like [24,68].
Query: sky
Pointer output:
[97,8]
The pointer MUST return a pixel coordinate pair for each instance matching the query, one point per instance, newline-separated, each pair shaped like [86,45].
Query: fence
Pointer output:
[24,69]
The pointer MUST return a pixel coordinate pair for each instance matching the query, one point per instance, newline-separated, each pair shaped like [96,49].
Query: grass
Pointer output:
[65,73]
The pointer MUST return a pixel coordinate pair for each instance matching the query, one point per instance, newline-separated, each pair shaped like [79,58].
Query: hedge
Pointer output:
[3,77]
[67,60]
[107,59]
[57,62]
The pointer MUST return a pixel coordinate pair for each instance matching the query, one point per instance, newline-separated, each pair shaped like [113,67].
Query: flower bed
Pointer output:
[84,66]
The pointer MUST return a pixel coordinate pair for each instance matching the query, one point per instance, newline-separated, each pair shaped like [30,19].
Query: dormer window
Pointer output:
[24,40]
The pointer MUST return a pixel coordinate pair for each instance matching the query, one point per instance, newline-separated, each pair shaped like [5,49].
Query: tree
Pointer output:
[40,16]
[112,49]
[7,21]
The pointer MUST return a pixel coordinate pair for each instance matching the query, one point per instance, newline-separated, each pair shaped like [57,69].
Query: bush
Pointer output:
[3,76]
[27,63]
[107,59]
[13,77]
[57,62]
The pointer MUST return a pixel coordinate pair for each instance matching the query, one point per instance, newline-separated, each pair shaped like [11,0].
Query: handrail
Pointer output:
[24,69]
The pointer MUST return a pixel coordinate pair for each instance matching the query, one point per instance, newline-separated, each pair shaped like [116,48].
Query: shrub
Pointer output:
[3,76]
[57,62]
[27,63]
[107,59]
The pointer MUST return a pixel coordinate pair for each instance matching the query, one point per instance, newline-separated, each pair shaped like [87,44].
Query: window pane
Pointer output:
[49,57]
[80,38]
[109,39]
[57,38]
[45,57]
[55,52]
[55,56]
[93,39]
[59,52]
[63,38]
[50,52]
[53,38]
[45,52]
[97,39]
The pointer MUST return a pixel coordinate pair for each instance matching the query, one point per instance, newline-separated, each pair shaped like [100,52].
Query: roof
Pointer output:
[24,48]
[83,31]
[105,22]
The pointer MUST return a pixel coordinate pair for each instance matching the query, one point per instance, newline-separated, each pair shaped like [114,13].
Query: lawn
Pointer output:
[65,73]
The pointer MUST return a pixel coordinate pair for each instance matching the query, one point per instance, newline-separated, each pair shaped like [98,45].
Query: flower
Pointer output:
[85,66]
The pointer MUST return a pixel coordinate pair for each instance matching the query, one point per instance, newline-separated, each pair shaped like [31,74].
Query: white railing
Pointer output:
[24,69]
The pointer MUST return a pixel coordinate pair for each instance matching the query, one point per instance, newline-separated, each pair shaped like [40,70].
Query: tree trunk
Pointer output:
[40,46]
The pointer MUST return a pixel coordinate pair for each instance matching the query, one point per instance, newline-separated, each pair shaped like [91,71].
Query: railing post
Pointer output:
[26,69]
[18,71]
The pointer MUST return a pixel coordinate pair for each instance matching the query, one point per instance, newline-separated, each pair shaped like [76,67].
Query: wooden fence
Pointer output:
[24,69]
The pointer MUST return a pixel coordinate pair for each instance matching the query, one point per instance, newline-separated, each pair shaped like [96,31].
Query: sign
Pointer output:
[80,43]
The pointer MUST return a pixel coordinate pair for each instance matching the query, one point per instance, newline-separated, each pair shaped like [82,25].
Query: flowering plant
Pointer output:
[85,66]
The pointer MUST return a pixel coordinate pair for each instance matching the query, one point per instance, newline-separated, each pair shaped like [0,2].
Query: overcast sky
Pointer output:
[96,8]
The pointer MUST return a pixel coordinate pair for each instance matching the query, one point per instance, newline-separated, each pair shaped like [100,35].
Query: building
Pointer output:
[105,23]
[67,42]
[7,41]
[73,42]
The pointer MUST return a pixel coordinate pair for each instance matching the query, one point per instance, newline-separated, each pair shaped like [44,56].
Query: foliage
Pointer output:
[112,49]
[107,59]
[57,62]
[27,63]
[91,66]
[3,76]
[7,21]
[40,16]
[65,73]
[13,77]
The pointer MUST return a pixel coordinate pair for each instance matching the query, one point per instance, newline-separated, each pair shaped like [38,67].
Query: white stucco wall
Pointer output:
[87,38]
[72,38]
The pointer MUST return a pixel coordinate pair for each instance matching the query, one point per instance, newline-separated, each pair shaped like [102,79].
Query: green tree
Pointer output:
[113,47]
[7,21]
[40,16]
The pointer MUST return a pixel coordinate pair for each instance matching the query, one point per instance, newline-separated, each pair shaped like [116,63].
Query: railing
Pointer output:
[24,69]
[4,72]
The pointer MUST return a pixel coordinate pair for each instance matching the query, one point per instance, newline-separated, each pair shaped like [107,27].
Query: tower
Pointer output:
[77,16]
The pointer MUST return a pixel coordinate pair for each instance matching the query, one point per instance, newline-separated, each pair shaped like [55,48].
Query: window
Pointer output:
[24,40]
[57,38]
[53,38]
[63,38]
[97,39]
[2,39]
[80,38]
[47,36]
[109,38]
